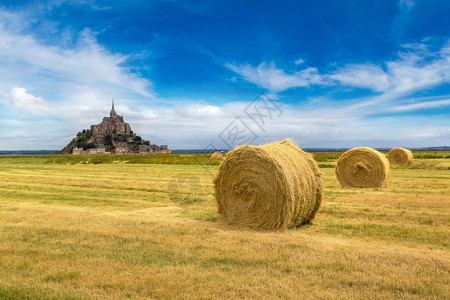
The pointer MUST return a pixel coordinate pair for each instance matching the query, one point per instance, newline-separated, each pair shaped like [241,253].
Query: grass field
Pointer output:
[146,227]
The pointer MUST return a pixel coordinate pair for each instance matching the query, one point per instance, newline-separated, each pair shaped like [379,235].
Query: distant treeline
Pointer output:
[26,152]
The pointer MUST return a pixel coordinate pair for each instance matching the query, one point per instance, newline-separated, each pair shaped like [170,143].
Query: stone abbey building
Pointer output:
[112,135]
[113,124]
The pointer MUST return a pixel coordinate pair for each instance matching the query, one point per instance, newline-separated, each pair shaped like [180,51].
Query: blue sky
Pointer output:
[339,73]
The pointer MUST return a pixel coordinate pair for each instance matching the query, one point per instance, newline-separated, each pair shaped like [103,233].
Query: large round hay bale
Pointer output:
[216,155]
[363,168]
[400,156]
[274,186]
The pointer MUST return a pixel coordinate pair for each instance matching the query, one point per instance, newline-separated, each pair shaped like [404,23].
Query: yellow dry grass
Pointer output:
[112,231]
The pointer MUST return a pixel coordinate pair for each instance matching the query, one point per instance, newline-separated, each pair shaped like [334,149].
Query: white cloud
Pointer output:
[85,63]
[406,5]
[29,103]
[362,76]
[186,125]
[210,110]
[416,69]
[196,110]
[422,105]
[299,61]
[404,18]
[268,76]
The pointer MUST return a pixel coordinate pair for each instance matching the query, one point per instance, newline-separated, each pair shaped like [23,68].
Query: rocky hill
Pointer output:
[86,140]
[112,135]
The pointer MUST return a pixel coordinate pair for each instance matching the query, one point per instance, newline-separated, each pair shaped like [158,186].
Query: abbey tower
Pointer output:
[111,125]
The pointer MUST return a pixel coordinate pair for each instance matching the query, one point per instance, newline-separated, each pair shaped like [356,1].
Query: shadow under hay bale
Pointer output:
[274,186]
[362,168]
[400,156]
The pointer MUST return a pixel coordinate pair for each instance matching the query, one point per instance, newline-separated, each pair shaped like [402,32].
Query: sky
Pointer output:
[216,74]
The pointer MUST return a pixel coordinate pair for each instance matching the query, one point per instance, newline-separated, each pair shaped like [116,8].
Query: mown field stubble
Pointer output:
[109,227]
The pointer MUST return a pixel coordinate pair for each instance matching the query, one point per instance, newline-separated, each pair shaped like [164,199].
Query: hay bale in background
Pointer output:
[362,167]
[400,156]
[274,186]
[216,155]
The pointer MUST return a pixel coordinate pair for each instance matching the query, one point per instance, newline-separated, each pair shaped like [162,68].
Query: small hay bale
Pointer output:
[363,168]
[216,155]
[400,156]
[273,186]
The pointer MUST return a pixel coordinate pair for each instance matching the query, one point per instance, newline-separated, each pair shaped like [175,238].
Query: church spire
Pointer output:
[113,111]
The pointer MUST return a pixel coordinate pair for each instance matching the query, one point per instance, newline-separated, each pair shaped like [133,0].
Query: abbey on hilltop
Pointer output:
[112,135]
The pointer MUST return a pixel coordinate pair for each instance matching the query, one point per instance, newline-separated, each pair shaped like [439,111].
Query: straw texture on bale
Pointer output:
[273,187]
[363,168]
[400,156]
[216,155]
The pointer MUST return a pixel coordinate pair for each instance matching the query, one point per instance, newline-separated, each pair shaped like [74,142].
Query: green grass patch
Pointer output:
[177,159]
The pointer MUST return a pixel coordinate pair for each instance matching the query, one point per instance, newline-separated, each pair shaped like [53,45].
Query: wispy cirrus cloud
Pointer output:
[401,22]
[268,76]
[366,76]
[406,5]
[299,61]
[416,68]
[420,106]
